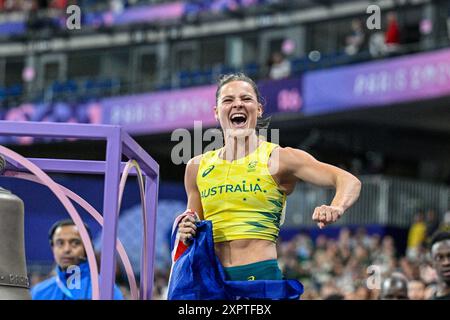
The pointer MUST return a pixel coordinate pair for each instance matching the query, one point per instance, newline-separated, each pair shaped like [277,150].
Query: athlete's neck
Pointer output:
[239,147]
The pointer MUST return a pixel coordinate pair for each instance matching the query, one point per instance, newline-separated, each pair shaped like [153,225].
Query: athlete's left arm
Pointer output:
[304,166]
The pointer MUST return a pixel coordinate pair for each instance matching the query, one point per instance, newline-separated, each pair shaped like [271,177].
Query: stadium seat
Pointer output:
[227,69]
[101,87]
[252,69]
[64,89]
[299,65]
[184,78]
[14,90]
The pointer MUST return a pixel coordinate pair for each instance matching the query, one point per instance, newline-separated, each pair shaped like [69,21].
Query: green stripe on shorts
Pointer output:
[262,270]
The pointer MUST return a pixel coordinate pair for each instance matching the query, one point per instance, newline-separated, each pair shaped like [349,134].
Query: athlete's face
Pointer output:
[237,108]
[67,246]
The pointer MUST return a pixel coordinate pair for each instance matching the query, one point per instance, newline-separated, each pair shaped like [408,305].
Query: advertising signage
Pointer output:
[396,80]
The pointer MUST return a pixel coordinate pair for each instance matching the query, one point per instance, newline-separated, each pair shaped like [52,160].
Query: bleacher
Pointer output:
[172,76]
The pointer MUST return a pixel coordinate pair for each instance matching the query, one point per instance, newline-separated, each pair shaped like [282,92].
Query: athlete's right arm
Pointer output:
[187,228]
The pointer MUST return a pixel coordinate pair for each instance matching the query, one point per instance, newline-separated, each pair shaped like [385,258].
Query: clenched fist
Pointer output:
[325,215]
[187,228]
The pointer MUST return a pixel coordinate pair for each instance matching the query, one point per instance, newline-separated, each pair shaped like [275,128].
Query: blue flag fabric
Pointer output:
[197,274]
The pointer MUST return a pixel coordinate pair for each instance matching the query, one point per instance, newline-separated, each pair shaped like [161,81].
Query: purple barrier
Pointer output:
[416,77]
[119,143]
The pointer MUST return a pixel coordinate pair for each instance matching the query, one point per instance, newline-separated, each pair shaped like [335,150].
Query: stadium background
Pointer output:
[374,102]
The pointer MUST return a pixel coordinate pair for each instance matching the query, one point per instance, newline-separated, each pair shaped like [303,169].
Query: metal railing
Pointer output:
[383,200]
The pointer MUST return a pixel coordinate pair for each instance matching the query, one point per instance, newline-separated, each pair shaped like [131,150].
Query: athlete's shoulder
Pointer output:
[277,151]
[192,166]
[288,158]
[288,152]
[195,161]
[268,147]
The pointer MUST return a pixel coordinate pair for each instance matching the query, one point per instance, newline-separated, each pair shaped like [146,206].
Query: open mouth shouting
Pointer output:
[238,120]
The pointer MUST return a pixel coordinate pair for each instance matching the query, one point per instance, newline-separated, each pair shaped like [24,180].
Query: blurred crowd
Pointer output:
[196,5]
[85,5]
[29,5]
[354,265]
[386,41]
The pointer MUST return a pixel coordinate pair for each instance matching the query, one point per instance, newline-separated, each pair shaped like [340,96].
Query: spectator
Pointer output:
[11,5]
[427,273]
[416,236]
[446,222]
[440,255]
[430,290]
[355,40]
[329,291]
[116,6]
[334,296]
[344,240]
[59,4]
[310,294]
[303,247]
[362,238]
[160,287]
[362,293]
[392,35]
[291,269]
[280,67]
[377,46]
[411,269]
[416,290]
[331,269]
[432,223]
[321,243]
[374,246]
[394,287]
[385,258]
[68,251]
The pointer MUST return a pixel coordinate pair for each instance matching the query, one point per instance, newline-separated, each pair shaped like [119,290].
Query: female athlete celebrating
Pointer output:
[242,187]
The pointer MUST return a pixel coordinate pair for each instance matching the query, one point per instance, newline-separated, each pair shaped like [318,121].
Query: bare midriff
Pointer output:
[245,251]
